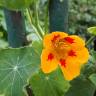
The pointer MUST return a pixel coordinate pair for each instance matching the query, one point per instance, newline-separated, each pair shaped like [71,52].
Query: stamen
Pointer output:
[63,45]
[55,38]
[50,56]
[63,62]
[72,53]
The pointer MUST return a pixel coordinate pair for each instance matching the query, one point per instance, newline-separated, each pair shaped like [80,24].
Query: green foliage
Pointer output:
[16,66]
[92,30]
[93,79]
[92,76]
[49,85]
[81,87]
[82,14]
[20,67]
[93,56]
[15,4]
[3,43]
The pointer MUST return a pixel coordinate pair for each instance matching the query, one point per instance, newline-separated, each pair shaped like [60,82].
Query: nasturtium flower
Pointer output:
[67,51]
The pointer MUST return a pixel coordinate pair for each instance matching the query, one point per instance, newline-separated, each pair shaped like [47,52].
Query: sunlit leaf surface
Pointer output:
[49,85]
[16,66]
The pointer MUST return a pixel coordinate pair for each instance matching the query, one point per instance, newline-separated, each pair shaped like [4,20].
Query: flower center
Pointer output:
[62,43]
[62,46]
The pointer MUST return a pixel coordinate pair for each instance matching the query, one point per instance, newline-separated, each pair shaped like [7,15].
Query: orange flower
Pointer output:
[68,52]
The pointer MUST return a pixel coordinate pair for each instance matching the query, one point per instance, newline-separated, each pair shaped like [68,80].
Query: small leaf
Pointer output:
[49,85]
[16,66]
[92,30]
[93,78]
[80,87]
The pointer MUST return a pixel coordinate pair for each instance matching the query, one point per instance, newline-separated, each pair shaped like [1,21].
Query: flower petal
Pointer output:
[78,42]
[71,71]
[51,37]
[74,63]
[81,56]
[48,61]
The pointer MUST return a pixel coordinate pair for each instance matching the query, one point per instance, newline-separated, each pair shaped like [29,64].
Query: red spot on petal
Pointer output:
[69,40]
[72,53]
[55,38]
[50,56]
[63,62]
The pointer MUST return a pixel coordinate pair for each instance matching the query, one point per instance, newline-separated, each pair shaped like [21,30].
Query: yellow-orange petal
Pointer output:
[82,56]
[78,42]
[71,73]
[48,61]
[71,70]
[47,42]
[73,63]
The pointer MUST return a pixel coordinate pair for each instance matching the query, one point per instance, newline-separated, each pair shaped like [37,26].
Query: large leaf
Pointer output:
[81,87]
[16,66]
[15,4]
[49,85]
[38,46]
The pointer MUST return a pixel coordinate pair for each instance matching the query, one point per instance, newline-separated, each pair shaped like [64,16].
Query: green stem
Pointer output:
[46,18]
[37,20]
[30,20]
[90,40]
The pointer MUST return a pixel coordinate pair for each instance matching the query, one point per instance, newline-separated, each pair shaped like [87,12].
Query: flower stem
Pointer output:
[90,40]
[39,28]
[46,18]
[30,20]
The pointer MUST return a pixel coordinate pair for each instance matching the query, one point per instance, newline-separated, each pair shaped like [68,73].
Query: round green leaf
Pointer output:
[49,85]
[15,4]
[92,30]
[16,66]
